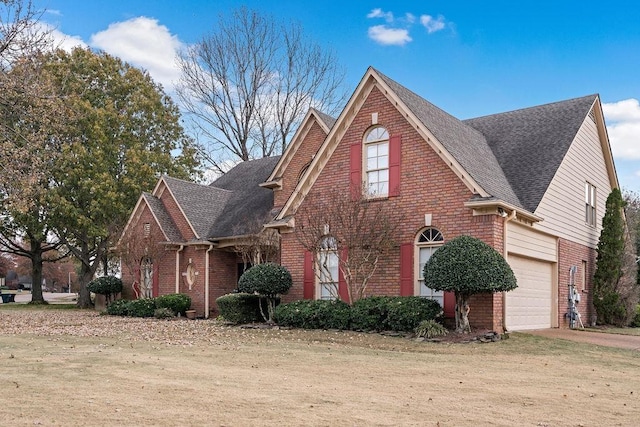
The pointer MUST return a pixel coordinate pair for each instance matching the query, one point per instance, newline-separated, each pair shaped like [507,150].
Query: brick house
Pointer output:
[531,183]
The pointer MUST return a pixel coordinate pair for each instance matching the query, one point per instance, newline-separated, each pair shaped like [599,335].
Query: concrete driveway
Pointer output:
[631,342]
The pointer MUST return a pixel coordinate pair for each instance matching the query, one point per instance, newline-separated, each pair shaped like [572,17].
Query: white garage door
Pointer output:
[529,305]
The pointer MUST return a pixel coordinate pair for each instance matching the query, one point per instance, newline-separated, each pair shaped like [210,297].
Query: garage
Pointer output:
[530,305]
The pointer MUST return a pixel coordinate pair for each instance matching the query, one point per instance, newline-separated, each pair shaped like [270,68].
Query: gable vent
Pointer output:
[592,115]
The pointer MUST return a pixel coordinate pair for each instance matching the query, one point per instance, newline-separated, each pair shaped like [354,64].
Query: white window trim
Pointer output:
[416,257]
[318,283]
[365,164]
[590,204]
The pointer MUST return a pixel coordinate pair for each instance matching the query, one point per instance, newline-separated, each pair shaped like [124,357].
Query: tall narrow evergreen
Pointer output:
[609,262]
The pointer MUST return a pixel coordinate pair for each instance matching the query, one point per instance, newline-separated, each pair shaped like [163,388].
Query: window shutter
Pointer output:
[449,304]
[155,281]
[309,280]
[355,167]
[406,269]
[343,292]
[395,154]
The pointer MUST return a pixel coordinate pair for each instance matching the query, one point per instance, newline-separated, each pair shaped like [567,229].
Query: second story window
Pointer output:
[376,158]
[590,204]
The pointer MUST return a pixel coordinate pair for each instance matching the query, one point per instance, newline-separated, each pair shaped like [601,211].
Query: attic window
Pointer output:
[146,230]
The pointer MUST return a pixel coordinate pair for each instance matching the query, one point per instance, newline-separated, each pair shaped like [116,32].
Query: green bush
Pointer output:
[370,314]
[406,313]
[143,307]
[178,303]
[266,279]
[314,314]
[241,307]
[119,307]
[163,313]
[635,323]
[107,285]
[430,329]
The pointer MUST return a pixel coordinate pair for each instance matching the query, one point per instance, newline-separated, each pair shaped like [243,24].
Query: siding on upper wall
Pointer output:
[563,205]
[531,243]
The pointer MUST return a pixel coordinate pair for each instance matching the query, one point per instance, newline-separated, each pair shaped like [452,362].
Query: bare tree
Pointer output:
[248,85]
[258,244]
[20,31]
[138,250]
[351,228]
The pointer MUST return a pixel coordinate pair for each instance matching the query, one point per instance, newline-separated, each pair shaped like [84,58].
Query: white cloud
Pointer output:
[378,13]
[623,126]
[389,36]
[66,42]
[432,25]
[144,43]
[399,35]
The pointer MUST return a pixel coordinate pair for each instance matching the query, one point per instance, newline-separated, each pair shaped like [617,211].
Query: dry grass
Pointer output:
[69,367]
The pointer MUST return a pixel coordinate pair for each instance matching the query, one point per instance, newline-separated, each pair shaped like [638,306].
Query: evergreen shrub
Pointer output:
[178,303]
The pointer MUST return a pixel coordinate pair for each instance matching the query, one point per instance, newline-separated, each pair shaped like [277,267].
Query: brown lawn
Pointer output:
[69,367]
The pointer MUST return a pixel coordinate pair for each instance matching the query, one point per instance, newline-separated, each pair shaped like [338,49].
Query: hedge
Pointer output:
[241,307]
[314,314]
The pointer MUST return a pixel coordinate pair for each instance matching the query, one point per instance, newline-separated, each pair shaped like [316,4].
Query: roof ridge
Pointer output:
[547,104]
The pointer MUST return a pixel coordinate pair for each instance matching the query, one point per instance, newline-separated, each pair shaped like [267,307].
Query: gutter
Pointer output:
[510,217]
[206,282]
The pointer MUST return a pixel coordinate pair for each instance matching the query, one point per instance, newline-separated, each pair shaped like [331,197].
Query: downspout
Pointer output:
[511,216]
[206,282]
[178,268]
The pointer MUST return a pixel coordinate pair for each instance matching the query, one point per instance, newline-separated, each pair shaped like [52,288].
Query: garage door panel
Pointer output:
[529,305]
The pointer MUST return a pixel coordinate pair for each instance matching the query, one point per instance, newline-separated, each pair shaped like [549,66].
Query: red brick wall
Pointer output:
[428,185]
[570,254]
[301,158]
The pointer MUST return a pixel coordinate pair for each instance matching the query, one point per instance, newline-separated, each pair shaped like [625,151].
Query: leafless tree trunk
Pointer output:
[358,230]
[248,85]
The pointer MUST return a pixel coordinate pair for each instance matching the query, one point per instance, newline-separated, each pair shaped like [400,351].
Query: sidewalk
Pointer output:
[631,342]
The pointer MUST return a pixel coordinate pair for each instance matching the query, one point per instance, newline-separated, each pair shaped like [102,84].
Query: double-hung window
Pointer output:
[590,204]
[376,146]
[427,242]
[328,269]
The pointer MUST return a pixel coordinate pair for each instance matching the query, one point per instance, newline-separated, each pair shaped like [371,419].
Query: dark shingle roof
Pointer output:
[327,119]
[164,219]
[467,145]
[531,143]
[248,200]
[200,203]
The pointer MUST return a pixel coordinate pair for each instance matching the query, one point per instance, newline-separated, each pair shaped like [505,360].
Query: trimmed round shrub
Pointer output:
[143,307]
[370,313]
[241,307]
[406,313]
[314,314]
[119,307]
[178,303]
[107,285]
[266,279]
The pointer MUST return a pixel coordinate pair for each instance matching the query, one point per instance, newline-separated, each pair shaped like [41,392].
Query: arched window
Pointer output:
[376,162]
[146,277]
[327,269]
[428,241]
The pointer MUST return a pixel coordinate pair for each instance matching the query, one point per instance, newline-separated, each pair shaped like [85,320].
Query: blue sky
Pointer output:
[470,58]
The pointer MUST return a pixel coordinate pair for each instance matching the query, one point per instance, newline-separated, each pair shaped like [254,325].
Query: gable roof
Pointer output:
[247,200]
[168,227]
[531,143]
[486,153]
[467,145]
